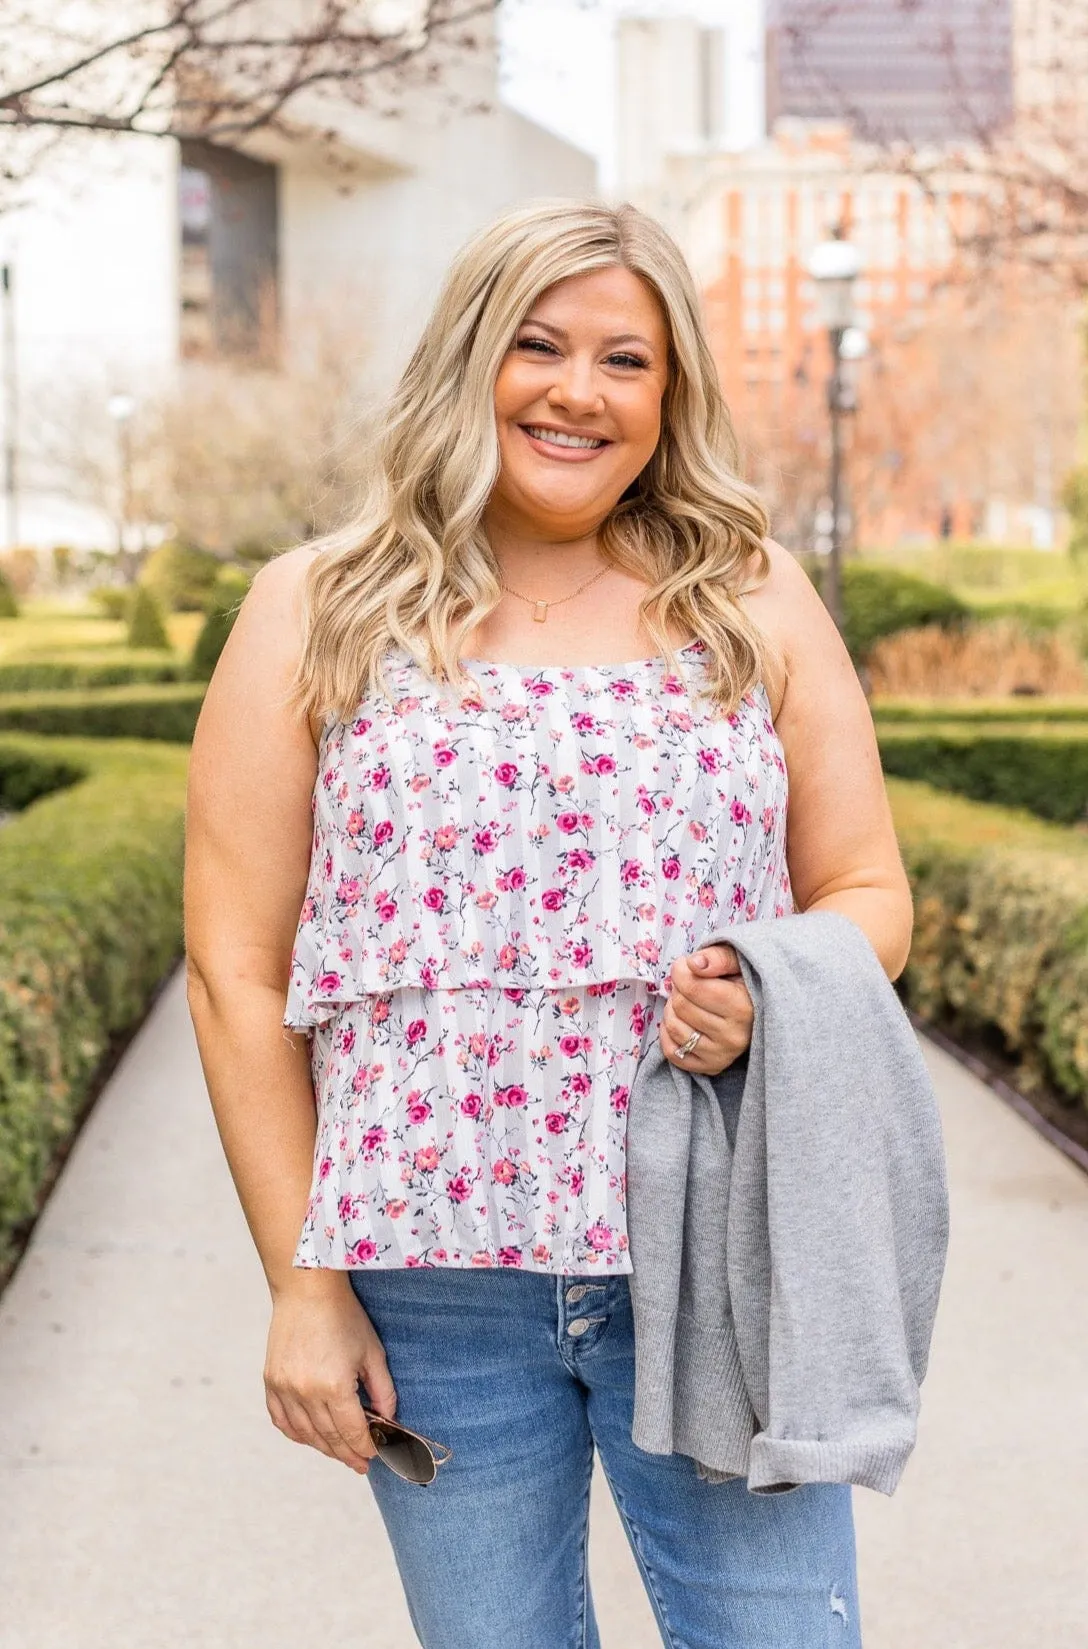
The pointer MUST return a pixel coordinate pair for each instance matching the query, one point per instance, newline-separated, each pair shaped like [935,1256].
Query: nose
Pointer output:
[575,388]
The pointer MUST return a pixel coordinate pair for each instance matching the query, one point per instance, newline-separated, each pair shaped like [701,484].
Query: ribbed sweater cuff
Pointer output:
[776,1463]
[696,1404]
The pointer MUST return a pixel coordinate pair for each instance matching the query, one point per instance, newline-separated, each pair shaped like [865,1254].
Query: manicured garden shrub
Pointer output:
[1022,766]
[112,600]
[145,625]
[1001,931]
[880,601]
[9,607]
[90,924]
[933,712]
[161,712]
[180,576]
[47,674]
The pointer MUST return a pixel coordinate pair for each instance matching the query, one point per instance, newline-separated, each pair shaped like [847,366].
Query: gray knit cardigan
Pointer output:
[788,1223]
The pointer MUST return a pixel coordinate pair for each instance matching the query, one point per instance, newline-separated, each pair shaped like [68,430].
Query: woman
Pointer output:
[542,698]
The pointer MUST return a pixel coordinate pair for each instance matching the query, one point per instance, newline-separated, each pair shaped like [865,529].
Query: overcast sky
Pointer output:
[559,64]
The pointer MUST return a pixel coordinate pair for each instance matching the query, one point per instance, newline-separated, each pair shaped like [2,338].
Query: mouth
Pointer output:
[563,444]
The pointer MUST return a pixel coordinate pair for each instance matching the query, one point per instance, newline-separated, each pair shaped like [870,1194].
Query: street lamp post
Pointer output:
[834,266]
[121,408]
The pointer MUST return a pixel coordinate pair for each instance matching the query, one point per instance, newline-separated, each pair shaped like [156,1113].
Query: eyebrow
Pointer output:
[617,338]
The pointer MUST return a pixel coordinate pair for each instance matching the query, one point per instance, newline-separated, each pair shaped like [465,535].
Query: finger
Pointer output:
[279,1416]
[723,998]
[703,1051]
[381,1394]
[712,961]
[348,1437]
[298,1414]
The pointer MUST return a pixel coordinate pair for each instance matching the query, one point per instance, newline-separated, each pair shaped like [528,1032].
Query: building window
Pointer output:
[229,255]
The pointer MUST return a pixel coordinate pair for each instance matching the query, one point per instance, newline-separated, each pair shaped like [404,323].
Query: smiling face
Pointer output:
[578,403]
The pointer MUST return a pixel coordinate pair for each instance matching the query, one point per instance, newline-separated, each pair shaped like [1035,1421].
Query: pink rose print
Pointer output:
[484,975]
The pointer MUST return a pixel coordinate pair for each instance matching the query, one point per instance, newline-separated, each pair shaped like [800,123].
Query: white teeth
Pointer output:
[559,439]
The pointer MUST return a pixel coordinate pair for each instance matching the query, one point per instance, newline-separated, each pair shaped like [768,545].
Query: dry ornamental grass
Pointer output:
[984,660]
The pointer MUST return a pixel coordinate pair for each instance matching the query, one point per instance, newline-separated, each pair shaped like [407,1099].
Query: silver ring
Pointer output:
[688,1044]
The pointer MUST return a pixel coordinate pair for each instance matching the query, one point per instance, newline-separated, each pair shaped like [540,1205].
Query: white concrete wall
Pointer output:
[370,262]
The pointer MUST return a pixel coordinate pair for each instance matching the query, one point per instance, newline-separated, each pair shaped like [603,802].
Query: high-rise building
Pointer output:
[918,71]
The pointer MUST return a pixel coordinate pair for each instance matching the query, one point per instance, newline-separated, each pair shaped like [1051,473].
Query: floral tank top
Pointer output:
[499,885]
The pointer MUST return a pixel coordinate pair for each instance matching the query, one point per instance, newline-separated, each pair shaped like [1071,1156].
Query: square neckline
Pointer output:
[696,643]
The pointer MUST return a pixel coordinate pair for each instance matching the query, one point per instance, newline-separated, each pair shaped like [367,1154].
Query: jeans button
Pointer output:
[577,1293]
[579,1326]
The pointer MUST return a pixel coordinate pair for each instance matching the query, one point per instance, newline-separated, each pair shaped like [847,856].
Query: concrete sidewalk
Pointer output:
[146,1502]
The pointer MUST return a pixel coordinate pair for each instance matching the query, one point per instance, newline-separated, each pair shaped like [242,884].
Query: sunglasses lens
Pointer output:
[406,1456]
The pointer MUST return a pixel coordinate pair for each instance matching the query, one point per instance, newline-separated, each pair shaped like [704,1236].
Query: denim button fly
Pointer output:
[579,1326]
[577,1293]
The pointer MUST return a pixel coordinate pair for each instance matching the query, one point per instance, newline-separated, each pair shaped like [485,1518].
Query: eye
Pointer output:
[628,360]
[537,344]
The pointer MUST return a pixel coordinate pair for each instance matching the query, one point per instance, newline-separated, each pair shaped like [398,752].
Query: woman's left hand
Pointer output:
[709,995]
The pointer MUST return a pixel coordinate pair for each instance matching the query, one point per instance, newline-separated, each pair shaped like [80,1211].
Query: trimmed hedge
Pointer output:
[1033,708]
[47,674]
[1026,766]
[90,924]
[165,712]
[1001,931]
[881,601]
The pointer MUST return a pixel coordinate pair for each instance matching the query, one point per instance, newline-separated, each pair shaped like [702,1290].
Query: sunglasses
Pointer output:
[410,1455]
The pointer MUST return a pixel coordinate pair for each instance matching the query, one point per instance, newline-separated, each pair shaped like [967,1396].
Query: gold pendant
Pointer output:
[540,612]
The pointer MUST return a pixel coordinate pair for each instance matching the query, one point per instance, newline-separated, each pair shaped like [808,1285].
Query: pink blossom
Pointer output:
[619,1098]
[419,1111]
[604,765]
[471,1105]
[739,813]
[362,1251]
[387,910]
[374,1137]
[356,822]
[504,1172]
[599,1236]
[481,1258]
[556,1121]
[484,841]
[325,1169]
[328,982]
[510,1256]
[416,1030]
[540,1252]
[566,822]
[383,830]
[582,955]
[443,755]
[426,1159]
[507,774]
[579,858]
[577,1181]
[395,1207]
[709,760]
[458,1188]
[434,898]
[541,689]
[570,1045]
[512,1095]
[553,898]
[630,872]
[445,836]
[507,957]
[670,868]
[380,778]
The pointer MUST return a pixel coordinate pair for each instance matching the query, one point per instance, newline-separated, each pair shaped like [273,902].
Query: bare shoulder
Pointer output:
[789,610]
[265,643]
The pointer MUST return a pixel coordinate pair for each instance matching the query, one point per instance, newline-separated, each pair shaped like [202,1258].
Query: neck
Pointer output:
[538,563]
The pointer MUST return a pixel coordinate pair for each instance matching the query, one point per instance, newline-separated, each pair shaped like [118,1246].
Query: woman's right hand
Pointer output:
[320,1343]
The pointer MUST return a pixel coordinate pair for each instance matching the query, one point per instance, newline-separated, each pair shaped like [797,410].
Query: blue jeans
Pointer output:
[522,1373]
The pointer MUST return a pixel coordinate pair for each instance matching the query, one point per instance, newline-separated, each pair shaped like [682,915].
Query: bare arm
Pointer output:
[248,836]
[840,841]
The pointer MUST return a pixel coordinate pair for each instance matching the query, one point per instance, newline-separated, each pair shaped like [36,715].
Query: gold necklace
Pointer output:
[540,608]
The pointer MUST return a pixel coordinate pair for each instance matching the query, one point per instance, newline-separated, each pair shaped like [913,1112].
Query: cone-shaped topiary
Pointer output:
[223,608]
[145,625]
[9,607]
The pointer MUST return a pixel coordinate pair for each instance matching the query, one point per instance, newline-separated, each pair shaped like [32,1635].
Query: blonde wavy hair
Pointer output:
[414,568]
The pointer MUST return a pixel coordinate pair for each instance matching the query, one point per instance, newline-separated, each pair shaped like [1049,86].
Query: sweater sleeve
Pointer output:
[837,1226]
